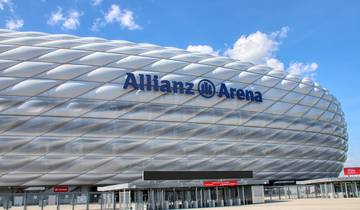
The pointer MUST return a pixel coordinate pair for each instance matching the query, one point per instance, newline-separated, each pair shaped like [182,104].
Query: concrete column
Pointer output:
[356,190]
[57,201]
[151,199]
[113,200]
[42,201]
[346,191]
[297,192]
[332,188]
[238,195]
[326,191]
[217,195]
[323,190]
[279,192]
[162,198]
[72,202]
[25,201]
[87,200]
[243,194]
[201,199]
[7,200]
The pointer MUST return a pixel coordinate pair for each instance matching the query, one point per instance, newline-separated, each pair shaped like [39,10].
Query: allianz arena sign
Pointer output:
[205,87]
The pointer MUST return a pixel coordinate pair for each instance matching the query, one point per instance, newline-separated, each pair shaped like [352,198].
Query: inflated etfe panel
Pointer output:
[67,117]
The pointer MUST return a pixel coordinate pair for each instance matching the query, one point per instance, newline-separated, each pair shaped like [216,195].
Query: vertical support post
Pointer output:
[238,195]
[341,189]
[151,198]
[120,201]
[279,192]
[201,198]
[325,190]
[217,196]
[25,201]
[162,198]
[346,191]
[7,202]
[243,194]
[42,200]
[307,190]
[113,200]
[73,201]
[332,190]
[288,192]
[124,199]
[356,190]
[87,200]
[321,191]
[57,201]
[196,197]
[297,192]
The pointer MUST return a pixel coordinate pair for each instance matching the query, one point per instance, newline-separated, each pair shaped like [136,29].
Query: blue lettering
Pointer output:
[148,82]
[249,95]
[232,92]
[178,86]
[258,96]
[223,91]
[206,87]
[141,83]
[189,88]
[156,83]
[130,80]
[165,86]
[240,94]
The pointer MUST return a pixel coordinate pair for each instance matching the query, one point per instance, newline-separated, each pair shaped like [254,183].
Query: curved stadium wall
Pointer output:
[66,118]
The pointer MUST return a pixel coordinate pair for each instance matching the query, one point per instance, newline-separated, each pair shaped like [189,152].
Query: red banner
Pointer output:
[61,189]
[352,171]
[229,183]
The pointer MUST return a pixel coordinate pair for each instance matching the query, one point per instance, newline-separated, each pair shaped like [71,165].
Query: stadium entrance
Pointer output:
[183,195]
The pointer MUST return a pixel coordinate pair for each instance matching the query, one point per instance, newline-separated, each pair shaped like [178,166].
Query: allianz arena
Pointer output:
[67,117]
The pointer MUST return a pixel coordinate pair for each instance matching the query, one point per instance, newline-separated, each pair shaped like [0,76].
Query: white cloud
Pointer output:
[4,3]
[96,2]
[261,48]
[115,14]
[308,69]
[14,24]
[56,17]
[68,22]
[202,49]
[275,63]
[282,33]
[97,23]
[257,47]
[72,21]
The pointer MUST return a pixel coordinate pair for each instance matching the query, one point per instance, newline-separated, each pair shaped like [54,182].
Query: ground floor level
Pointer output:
[154,195]
[301,204]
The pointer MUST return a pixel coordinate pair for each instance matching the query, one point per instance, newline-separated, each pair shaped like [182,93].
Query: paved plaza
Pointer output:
[303,204]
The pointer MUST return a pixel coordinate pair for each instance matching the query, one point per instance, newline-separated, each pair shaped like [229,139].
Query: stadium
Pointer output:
[85,111]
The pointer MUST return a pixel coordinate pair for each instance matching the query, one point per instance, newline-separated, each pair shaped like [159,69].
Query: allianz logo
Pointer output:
[205,88]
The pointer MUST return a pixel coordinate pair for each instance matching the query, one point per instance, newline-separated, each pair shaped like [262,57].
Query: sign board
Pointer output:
[61,189]
[205,87]
[229,183]
[195,175]
[352,171]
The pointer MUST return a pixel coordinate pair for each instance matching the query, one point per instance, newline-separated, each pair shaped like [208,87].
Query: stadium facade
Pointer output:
[90,111]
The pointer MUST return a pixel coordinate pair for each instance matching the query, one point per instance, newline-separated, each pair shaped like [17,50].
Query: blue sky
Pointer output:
[319,39]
